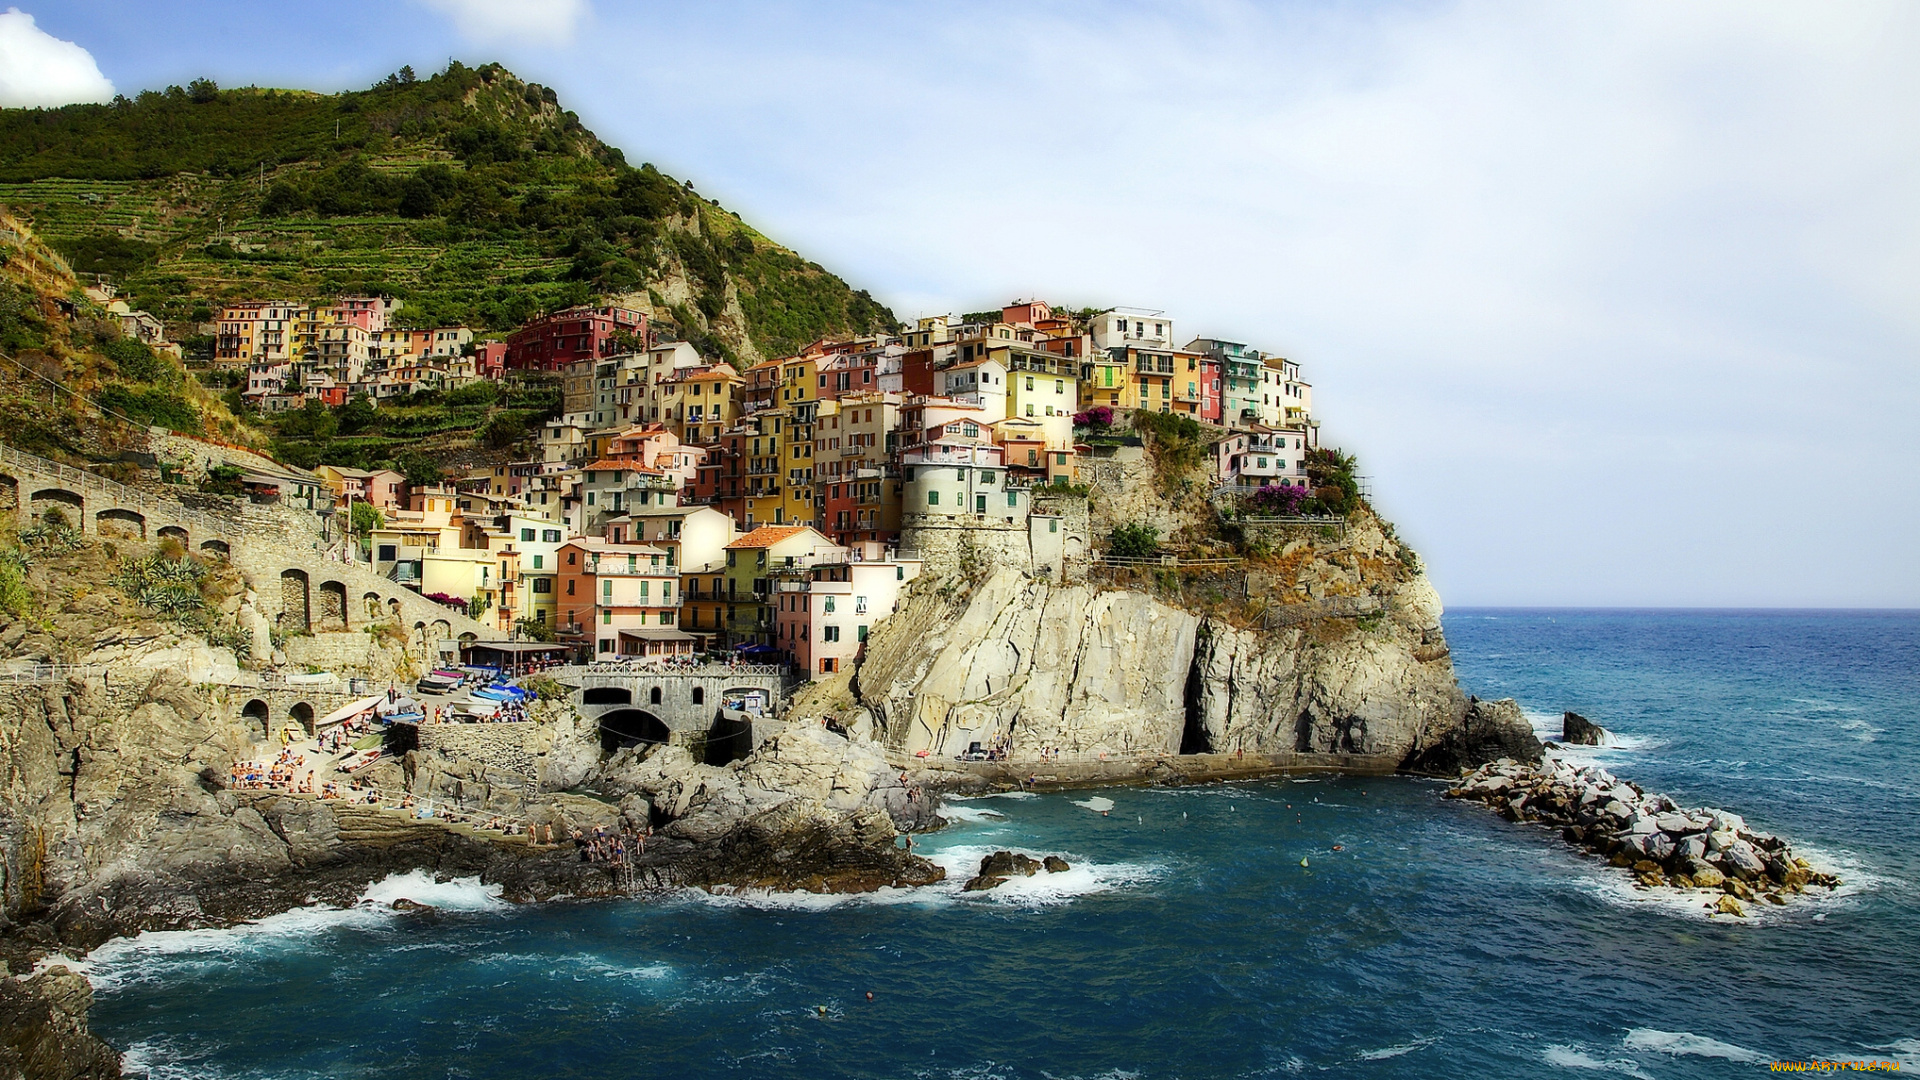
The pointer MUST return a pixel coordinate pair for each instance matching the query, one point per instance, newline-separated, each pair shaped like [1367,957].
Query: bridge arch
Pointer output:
[71,505]
[606,695]
[120,523]
[729,739]
[258,716]
[295,612]
[333,606]
[631,727]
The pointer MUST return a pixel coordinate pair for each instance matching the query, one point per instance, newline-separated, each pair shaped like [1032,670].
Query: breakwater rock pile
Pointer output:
[1660,842]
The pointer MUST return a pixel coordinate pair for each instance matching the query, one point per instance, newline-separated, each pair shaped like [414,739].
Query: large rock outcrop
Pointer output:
[1334,648]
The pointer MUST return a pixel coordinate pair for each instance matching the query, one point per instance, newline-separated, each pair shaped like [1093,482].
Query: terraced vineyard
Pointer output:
[471,196]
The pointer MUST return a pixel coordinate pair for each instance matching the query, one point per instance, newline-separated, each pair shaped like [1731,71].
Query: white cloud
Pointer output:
[545,22]
[38,69]
[1610,299]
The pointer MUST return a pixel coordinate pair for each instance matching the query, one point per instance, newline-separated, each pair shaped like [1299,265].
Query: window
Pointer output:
[541,584]
[1029,385]
[606,589]
[829,633]
[699,695]
[606,617]
[606,645]
[829,606]
[1013,498]
[979,504]
[569,586]
[1053,525]
[526,535]
[387,552]
[933,498]
[666,592]
[537,560]
[1060,458]
[1059,386]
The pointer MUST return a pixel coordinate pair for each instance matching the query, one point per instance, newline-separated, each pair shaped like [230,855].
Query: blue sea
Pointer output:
[1352,927]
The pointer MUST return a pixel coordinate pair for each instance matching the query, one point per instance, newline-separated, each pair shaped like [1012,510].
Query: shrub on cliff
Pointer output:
[1133,541]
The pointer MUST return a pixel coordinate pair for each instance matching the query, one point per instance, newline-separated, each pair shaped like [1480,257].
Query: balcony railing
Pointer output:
[615,568]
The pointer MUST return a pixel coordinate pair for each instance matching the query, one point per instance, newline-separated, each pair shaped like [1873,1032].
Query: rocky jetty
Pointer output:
[1660,842]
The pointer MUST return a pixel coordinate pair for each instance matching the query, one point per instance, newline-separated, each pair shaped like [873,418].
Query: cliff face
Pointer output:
[1333,646]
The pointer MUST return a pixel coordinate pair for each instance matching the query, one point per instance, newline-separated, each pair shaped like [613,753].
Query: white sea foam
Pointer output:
[1574,1057]
[976,814]
[1906,1051]
[1678,1043]
[122,960]
[1395,1051]
[458,894]
[1099,804]
[1043,888]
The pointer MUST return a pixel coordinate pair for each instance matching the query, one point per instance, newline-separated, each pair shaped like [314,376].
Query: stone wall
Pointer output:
[499,746]
[966,546]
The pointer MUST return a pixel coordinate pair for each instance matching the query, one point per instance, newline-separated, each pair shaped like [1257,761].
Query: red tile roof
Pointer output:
[767,536]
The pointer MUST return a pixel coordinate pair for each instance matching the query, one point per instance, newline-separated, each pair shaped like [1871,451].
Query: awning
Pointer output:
[348,712]
[656,635]
[754,649]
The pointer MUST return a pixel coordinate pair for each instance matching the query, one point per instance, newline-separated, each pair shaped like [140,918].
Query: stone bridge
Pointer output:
[285,552]
[637,705]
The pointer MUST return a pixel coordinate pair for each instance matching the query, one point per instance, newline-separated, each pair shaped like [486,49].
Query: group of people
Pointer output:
[279,774]
[616,846]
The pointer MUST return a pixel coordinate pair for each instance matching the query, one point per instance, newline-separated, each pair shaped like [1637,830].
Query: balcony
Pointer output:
[616,568]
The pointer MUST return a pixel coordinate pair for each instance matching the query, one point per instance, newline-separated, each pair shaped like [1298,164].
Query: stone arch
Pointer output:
[9,492]
[631,727]
[215,547]
[441,630]
[121,524]
[302,714]
[749,693]
[654,695]
[71,504]
[333,606]
[606,695]
[469,638]
[1074,547]
[699,695]
[258,716]
[371,601]
[176,534]
[393,610]
[295,611]
[729,739]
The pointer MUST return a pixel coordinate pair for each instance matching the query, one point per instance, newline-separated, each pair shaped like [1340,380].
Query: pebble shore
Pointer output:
[1651,836]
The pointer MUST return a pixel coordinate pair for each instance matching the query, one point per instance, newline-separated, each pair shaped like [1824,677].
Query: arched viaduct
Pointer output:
[641,706]
[283,551]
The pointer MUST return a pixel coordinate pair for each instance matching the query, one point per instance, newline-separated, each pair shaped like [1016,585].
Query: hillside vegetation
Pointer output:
[471,195]
[72,387]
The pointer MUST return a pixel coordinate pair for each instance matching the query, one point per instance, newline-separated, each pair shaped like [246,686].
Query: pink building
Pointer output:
[823,620]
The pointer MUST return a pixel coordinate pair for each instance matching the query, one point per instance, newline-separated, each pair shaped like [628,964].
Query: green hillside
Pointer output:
[471,195]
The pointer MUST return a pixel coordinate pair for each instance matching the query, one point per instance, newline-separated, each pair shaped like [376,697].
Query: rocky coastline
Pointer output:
[1702,850]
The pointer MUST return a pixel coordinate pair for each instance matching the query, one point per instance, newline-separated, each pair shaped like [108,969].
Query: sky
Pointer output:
[1618,304]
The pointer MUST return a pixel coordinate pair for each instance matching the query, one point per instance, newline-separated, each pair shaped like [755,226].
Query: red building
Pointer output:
[1210,402]
[582,333]
[490,359]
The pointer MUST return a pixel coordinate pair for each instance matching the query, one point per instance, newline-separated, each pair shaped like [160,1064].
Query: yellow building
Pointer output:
[1105,380]
[1045,388]
[799,396]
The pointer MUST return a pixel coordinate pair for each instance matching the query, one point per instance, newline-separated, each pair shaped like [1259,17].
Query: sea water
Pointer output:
[1351,926]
